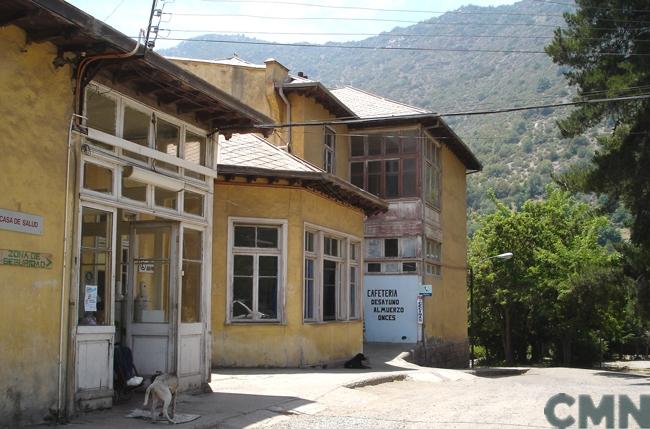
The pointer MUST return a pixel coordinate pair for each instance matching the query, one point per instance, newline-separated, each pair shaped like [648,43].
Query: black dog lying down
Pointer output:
[357,362]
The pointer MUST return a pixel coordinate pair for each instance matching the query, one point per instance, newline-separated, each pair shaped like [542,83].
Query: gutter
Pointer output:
[288,104]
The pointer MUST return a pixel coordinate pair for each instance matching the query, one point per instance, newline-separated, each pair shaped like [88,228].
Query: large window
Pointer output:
[114,114]
[331,277]
[385,164]
[392,255]
[329,151]
[256,274]
[433,257]
[432,173]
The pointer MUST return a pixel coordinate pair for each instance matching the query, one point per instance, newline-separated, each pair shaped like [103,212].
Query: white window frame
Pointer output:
[282,225]
[432,265]
[343,277]
[329,148]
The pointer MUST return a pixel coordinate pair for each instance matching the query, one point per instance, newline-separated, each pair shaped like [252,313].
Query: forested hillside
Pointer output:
[519,150]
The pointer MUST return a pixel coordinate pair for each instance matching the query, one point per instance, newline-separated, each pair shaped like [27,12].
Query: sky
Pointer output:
[190,18]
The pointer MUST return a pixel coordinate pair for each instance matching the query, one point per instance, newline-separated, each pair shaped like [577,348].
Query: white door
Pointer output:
[152,296]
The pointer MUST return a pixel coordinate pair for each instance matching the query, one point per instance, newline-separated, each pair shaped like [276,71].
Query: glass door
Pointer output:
[151,295]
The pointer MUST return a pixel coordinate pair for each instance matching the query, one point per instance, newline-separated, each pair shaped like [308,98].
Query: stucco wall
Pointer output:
[308,142]
[35,108]
[446,310]
[294,343]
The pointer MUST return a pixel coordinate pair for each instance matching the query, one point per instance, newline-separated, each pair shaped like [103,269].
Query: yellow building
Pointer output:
[108,168]
[289,274]
[403,154]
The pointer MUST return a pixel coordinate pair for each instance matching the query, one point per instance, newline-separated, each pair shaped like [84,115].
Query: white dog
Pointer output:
[162,389]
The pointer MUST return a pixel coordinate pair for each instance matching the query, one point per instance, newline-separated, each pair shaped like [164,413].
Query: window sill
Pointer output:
[254,322]
[327,322]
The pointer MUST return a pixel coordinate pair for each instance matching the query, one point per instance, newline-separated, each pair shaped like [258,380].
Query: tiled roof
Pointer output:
[366,105]
[250,150]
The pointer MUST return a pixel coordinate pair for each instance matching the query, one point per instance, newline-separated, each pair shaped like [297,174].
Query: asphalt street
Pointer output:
[487,402]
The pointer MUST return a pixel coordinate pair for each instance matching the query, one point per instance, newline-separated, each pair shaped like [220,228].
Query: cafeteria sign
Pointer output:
[23,258]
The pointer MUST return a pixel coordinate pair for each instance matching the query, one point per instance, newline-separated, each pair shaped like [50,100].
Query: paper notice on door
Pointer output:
[90,300]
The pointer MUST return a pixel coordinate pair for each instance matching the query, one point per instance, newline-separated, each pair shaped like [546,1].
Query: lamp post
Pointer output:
[502,256]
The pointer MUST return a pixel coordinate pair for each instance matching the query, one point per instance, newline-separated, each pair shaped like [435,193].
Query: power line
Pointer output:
[380,48]
[376,9]
[450,114]
[324,18]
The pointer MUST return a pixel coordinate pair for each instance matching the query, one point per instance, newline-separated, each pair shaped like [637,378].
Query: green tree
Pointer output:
[606,51]
[561,288]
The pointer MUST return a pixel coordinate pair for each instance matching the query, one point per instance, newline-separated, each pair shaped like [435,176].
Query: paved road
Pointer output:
[515,401]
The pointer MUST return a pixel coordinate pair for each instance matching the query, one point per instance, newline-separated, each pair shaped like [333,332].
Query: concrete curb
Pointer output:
[374,381]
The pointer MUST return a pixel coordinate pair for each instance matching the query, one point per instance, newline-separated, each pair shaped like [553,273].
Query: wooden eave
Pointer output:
[318,181]
[147,74]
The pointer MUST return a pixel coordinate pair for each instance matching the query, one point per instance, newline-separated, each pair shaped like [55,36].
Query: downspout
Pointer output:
[288,104]
[76,115]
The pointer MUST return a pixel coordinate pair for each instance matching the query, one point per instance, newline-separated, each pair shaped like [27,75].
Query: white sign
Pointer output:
[420,310]
[146,267]
[389,308]
[90,299]
[425,290]
[21,222]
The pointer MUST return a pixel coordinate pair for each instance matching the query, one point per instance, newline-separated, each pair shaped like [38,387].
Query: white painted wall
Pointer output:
[390,321]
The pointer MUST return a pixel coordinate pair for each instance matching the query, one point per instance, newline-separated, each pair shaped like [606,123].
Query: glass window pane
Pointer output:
[192,244]
[309,241]
[243,265]
[267,237]
[195,148]
[95,267]
[268,266]
[330,269]
[242,294]
[97,178]
[409,267]
[134,190]
[191,292]
[309,289]
[392,267]
[193,203]
[357,146]
[136,129]
[374,267]
[331,246]
[392,145]
[101,111]
[392,177]
[268,297]
[374,144]
[374,177]
[409,144]
[353,292]
[391,247]
[373,247]
[166,198]
[409,247]
[356,173]
[409,178]
[245,236]
[167,141]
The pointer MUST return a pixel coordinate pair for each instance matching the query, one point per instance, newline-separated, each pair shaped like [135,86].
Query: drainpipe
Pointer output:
[288,104]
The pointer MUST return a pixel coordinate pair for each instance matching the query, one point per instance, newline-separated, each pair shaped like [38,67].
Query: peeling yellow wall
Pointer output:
[446,310]
[294,343]
[35,108]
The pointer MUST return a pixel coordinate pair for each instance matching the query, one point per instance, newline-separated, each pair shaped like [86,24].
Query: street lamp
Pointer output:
[502,256]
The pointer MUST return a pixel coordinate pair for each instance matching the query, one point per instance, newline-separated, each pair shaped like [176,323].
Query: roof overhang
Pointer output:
[321,94]
[150,75]
[321,182]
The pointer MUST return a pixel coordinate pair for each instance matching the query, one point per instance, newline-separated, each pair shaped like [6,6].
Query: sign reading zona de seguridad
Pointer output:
[21,222]
[24,258]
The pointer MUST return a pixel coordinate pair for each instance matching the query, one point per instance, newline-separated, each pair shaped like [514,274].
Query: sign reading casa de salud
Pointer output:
[21,222]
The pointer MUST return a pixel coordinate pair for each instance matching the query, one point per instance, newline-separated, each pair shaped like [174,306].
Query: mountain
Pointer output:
[519,150]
